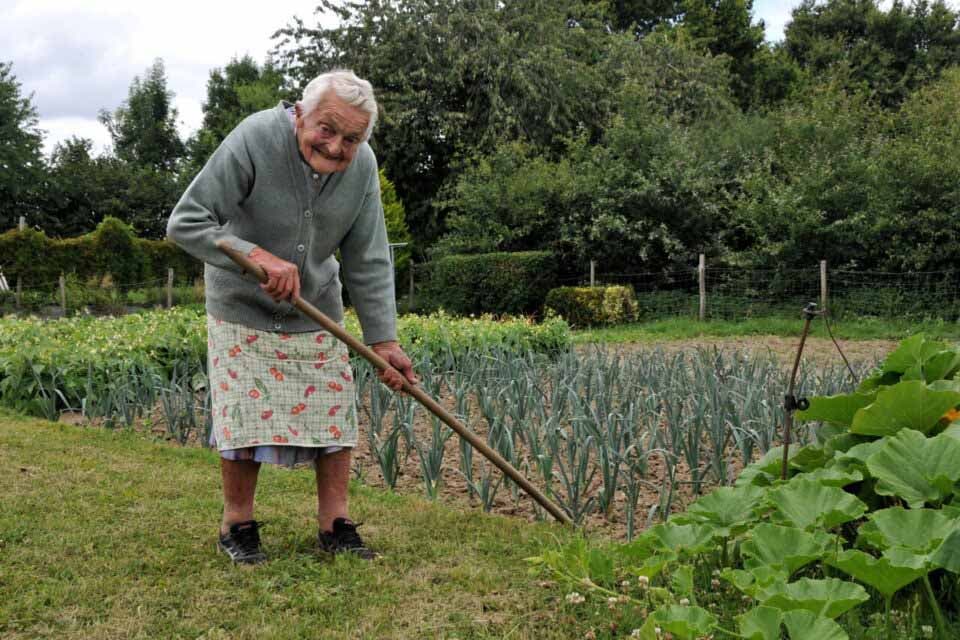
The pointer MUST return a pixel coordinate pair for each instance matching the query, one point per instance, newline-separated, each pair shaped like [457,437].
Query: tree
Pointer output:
[21,159]
[238,90]
[143,128]
[888,53]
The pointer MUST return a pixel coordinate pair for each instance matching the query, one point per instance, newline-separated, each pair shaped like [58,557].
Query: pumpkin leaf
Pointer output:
[828,597]
[887,574]
[918,530]
[684,623]
[838,409]
[686,538]
[728,509]
[803,625]
[786,548]
[806,503]
[760,623]
[905,405]
[916,468]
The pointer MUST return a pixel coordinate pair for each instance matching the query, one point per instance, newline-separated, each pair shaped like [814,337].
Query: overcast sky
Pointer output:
[79,56]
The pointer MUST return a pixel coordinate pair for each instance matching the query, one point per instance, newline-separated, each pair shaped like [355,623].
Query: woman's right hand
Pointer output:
[284,277]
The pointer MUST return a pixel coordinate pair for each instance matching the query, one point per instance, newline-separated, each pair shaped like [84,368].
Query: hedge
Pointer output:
[111,248]
[591,306]
[500,283]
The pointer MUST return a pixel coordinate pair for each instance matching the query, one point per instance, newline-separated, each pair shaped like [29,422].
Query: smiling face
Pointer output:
[328,136]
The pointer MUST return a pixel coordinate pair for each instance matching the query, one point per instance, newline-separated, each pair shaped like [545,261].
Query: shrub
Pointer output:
[508,283]
[590,306]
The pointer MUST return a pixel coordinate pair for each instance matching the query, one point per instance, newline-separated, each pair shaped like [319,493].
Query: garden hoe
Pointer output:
[432,405]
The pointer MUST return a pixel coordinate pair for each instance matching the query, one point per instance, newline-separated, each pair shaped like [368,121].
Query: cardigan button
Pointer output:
[301,248]
[316,176]
[277,326]
[308,213]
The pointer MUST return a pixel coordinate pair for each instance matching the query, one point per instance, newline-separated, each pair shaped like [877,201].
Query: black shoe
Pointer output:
[242,544]
[345,539]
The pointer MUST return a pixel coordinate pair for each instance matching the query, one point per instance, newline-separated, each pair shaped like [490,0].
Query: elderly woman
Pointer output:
[289,187]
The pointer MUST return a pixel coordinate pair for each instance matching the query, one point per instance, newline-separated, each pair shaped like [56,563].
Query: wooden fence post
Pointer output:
[170,288]
[823,286]
[63,294]
[702,276]
[410,298]
[23,223]
[593,273]
[19,297]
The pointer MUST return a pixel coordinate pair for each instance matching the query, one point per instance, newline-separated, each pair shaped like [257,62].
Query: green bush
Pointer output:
[501,283]
[112,248]
[591,306]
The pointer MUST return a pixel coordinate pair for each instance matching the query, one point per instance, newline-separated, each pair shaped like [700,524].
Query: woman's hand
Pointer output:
[400,365]
[284,277]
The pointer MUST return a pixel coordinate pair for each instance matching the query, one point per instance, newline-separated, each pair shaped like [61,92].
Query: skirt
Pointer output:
[276,397]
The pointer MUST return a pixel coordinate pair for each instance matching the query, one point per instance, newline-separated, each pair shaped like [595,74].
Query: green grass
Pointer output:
[106,534]
[850,329]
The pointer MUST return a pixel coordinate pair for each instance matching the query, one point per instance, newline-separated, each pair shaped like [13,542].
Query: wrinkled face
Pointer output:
[329,135]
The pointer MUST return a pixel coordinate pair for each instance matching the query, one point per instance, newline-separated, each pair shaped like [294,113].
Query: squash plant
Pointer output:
[873,503]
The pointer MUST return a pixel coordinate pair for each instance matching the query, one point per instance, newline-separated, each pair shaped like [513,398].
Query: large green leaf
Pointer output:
[803,625]
[807,503]
[919,530]
[689,538]
[909,358]
[887,575]
[916,468]
[905,405]
[828,597]
[760,623]
[859,453]
[756,581]
[835,476]
[947,554]
[685,623]
[838,409]
[940,366]
[785,548]
[728,509]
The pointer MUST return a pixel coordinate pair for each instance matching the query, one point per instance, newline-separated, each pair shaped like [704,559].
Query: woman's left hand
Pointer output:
[400,366]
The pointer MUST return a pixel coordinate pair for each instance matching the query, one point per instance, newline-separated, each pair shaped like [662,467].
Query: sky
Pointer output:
[77,57]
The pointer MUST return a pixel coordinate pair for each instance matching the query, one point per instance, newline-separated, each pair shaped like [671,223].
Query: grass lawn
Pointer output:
[109,535]
[849,329]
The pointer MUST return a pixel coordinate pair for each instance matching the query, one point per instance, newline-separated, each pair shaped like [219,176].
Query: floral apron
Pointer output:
[279,389]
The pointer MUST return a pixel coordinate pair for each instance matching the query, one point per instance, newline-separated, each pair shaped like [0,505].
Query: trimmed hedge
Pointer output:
[112,248]
[591,306]
[500,283]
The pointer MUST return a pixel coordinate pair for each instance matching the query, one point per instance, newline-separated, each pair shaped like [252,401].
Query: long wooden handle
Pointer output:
[421,396]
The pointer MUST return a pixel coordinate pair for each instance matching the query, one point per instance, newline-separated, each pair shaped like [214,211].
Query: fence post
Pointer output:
[19,297]
[170,288]
[23,223]
[593,273]
[823,286]
[410,298]
[63,294]
[702,276]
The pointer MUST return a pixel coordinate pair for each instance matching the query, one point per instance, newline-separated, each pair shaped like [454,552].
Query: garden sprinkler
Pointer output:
[790,402]
[432,405]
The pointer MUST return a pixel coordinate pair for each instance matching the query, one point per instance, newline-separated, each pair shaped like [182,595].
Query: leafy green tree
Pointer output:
[21,159]
[143,128]
[887,53]
[395,217]
[241,88]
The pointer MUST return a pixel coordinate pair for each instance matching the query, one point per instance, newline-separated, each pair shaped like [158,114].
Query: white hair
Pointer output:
[355,91]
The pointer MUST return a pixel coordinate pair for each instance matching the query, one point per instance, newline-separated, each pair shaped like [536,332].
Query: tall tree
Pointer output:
[241,88]
[21,159]
[888,53]
[143,128]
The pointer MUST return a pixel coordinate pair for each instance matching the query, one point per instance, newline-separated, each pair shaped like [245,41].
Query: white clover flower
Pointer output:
[575,598]
[684,602]
[715,583]
[643,581]
[625,584]
[927,631]
[635,633]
